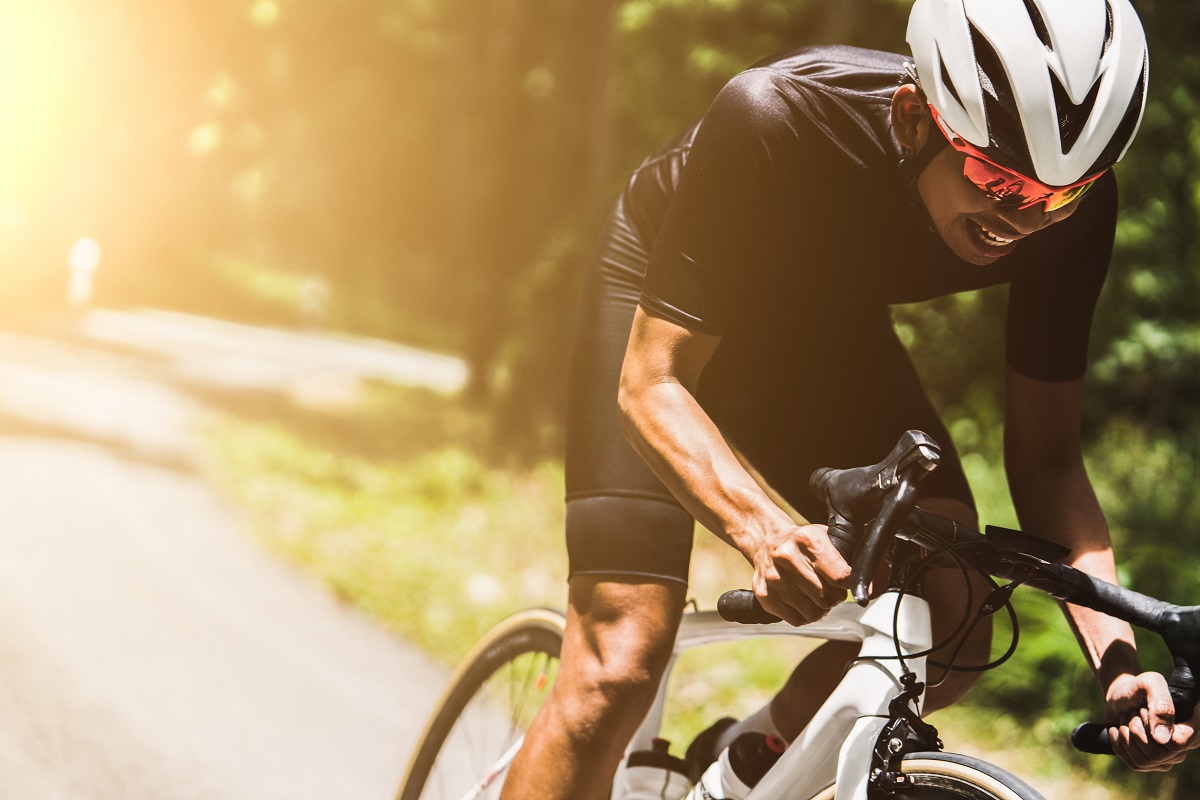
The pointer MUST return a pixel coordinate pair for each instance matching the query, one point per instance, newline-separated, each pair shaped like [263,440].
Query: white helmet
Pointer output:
[1053,89]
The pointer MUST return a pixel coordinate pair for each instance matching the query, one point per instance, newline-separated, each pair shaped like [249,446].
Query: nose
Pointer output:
[1025,220]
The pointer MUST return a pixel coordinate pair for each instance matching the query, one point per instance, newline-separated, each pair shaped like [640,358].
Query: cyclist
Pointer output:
[736,330]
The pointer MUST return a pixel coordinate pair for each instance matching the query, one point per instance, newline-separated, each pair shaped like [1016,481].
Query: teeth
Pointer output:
[993,239]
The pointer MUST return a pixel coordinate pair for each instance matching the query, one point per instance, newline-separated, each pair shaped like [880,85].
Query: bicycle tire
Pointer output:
[490,701]
[951,776]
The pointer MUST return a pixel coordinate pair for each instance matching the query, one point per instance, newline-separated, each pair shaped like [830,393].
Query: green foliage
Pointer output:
[391,505]
[675,56]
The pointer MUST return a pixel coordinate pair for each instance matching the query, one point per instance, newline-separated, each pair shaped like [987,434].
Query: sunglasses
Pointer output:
[1010,188]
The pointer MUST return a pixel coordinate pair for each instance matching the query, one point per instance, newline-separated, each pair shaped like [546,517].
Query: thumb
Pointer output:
[1160,713]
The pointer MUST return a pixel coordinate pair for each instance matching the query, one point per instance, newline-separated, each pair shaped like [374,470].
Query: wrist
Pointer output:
[752,522]
[1120,660]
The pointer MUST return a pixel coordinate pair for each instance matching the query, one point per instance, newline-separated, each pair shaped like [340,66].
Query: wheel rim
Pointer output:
[939,779]
[472,757]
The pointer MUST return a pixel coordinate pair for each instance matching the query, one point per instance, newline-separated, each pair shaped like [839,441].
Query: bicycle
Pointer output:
[868,741]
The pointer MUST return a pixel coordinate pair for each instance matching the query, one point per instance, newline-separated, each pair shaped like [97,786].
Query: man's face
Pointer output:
[975,227]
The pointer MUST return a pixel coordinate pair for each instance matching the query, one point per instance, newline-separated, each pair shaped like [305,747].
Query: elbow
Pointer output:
[1037,476]
[629,395]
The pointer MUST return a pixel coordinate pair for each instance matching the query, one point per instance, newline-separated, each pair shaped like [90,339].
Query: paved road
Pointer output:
[147,648]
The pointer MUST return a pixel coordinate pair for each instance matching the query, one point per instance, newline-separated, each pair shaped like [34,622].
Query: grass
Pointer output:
[388,505]
[389,502]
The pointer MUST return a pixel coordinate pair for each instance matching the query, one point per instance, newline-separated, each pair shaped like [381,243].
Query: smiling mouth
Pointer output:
[989,238]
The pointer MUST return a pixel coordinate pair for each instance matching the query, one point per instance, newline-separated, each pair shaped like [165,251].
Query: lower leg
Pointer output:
[617,644]
[809,686]
[954,596]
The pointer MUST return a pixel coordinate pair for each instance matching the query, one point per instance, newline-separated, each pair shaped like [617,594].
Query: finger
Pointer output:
[801,573]
[1145,753]
[772,603]
[1125,748]
[1133,738]
[784,601]
[1159,713]
[815,542]
[1185,737]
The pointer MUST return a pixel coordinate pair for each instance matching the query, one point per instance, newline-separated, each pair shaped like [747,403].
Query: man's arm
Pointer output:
[796,568]
[1053,497]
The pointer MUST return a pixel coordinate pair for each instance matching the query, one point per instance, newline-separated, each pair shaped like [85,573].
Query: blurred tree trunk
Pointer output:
[577,194]
[526,171]
[485,107]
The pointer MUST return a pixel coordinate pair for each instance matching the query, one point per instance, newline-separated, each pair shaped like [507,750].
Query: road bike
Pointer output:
[868,741]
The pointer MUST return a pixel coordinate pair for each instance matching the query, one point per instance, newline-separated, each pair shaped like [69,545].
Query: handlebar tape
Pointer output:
[1092,737]
[842,534]
[740,605]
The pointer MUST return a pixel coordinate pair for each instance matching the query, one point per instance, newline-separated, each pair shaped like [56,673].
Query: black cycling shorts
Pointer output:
[834,388]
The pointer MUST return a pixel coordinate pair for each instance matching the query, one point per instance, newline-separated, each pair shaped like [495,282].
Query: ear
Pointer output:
[911,120]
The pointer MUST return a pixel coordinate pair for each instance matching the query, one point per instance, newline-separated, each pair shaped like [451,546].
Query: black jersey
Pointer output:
[785,204]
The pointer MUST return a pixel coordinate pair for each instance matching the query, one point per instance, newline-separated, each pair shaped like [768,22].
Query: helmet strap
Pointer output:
[910,168]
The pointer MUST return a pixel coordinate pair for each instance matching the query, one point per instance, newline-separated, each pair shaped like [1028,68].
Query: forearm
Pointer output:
[669,429]
[1058,502]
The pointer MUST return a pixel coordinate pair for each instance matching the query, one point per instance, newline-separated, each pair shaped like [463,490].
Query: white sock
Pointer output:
[760,721]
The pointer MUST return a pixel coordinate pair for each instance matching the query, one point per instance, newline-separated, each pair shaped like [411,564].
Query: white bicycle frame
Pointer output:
[839,741]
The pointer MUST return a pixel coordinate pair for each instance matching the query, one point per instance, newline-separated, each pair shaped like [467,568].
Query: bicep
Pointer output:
[1042,420]
[1053,298]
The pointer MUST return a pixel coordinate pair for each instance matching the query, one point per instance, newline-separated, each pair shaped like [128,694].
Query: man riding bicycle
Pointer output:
[736,331]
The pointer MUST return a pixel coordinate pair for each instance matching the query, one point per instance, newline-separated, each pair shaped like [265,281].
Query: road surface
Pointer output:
[148,649]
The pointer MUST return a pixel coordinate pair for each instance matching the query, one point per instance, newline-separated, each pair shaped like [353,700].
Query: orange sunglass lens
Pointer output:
[1009,188]
[1060,199]
[1006,187]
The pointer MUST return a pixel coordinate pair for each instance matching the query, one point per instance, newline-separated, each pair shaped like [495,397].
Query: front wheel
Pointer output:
[481,719]
[950,776]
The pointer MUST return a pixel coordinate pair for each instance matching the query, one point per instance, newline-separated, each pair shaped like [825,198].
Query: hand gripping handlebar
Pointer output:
[883,494]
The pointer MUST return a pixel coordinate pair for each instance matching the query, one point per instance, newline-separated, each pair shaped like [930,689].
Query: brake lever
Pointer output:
[894,509]
[884,493]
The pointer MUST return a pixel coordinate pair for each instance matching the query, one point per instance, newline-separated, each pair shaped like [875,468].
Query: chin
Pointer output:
[972,257]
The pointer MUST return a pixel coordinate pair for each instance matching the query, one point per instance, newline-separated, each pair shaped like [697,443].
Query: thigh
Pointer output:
[621,520]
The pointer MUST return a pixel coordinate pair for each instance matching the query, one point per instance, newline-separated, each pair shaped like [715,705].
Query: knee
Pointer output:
[617,645]
[975,652]
[623,667]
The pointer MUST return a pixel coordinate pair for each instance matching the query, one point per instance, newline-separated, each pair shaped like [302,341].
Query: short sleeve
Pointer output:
[723,230]
[1053,298]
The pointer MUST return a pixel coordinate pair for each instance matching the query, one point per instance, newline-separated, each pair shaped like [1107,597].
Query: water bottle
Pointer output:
[739,767]
[655,774]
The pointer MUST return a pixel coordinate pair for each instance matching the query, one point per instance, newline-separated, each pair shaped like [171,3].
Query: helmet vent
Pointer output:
[1071,117]
[1039,24]
[1108,28]
[1007,134]
[949,84]
[1127,128]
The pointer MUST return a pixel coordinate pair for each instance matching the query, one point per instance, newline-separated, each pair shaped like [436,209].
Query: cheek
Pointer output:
[947,193]
[1059,214]
[956,203]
